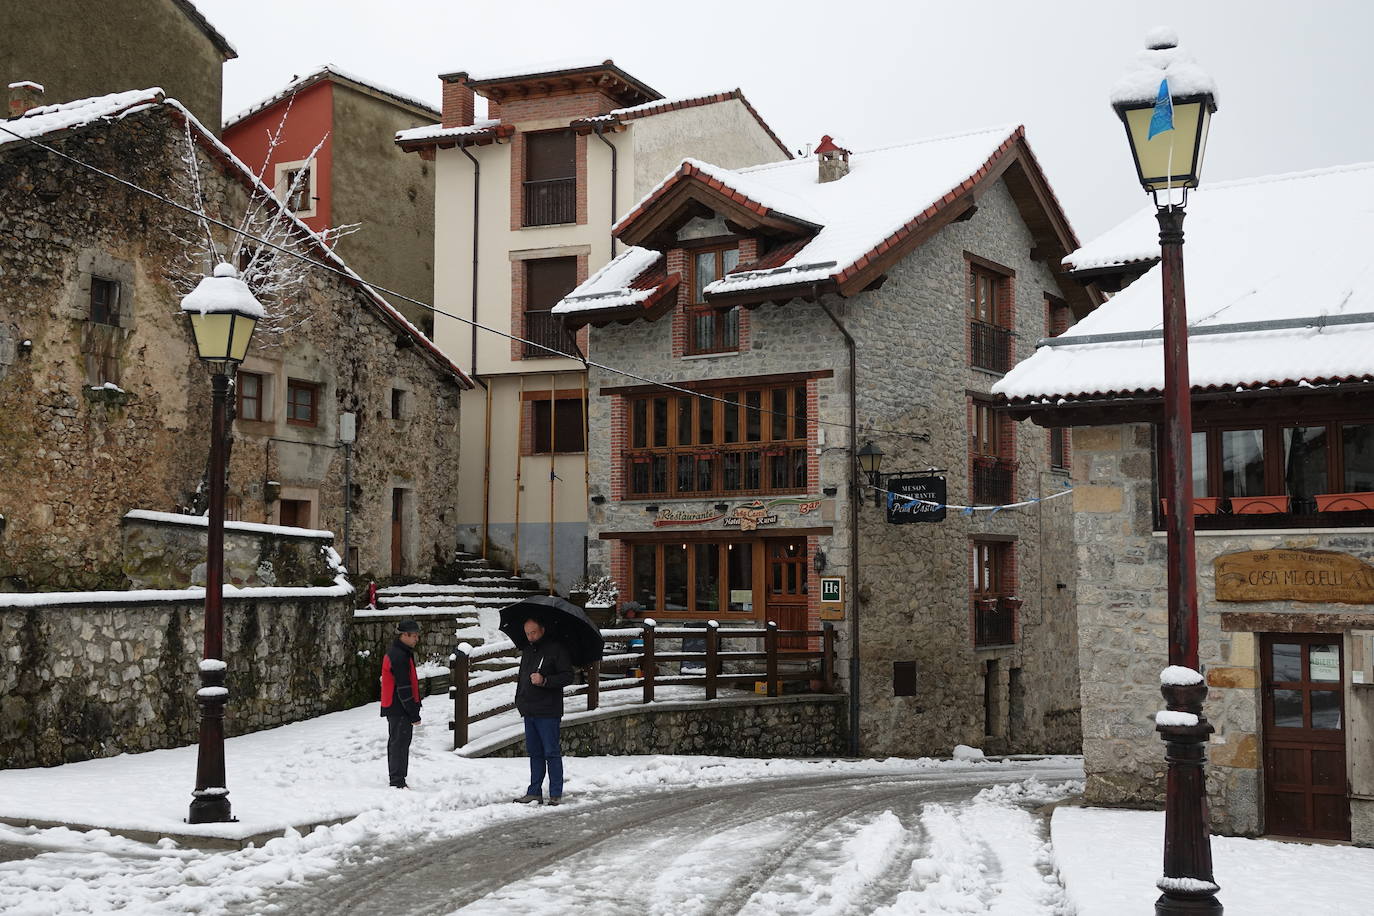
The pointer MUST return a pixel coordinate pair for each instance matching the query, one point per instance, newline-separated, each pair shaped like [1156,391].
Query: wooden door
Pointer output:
[786,587]
[1304,736]
[397,552]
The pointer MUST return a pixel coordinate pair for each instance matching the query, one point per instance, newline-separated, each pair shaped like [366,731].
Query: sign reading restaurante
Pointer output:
[1294,575]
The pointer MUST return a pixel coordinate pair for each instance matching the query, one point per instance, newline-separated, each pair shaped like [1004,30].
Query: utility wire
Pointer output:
[355,278]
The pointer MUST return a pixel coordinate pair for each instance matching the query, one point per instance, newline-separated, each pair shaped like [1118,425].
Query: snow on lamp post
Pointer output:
[1166,103]
[223,312]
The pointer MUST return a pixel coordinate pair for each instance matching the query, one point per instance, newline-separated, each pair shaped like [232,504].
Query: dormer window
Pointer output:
[711,328]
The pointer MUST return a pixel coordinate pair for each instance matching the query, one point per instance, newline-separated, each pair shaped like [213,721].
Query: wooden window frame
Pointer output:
[241,410]
[725,327]
[990,317]
[710,466]
[284,174]
[561,188]
[105,312]
[538,427]
[723,547]
[293,385]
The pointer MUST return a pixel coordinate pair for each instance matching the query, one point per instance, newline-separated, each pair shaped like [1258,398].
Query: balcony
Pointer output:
[989,346]
[550,201]
[545,328]
[994,621]
[992,481]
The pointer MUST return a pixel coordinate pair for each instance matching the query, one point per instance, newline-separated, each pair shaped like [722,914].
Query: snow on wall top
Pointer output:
[27,84]
[1162,59]
[1233,276]
[201,521]
[439,132]
[46,119]
[315,74]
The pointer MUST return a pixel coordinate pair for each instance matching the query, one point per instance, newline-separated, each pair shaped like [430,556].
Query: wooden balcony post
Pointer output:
[712,657]
[646,662]
[828,657]
[770,647]
[593,685]
[458,675]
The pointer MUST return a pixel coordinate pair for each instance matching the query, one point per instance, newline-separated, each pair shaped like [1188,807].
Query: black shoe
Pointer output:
[400,786]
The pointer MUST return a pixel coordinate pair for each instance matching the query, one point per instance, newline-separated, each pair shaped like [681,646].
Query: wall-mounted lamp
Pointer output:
[598,499]
[651,508]
[871,463]
[819,561]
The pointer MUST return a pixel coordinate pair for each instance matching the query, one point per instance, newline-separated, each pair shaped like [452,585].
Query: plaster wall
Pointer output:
[660,143]
[137,44]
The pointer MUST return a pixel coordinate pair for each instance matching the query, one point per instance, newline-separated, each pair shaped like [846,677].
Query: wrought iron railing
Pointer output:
[994,621]
[550,201]
[992,481]
[545,328]
[989,346]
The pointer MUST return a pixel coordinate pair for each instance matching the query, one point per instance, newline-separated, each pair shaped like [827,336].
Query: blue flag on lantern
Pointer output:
[1163,117]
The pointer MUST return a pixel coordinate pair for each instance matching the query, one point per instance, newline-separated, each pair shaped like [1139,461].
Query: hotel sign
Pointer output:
[748,516]
[1322,576]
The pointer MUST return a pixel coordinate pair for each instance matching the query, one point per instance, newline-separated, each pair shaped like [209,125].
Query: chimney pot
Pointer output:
[25,95]
[832,160]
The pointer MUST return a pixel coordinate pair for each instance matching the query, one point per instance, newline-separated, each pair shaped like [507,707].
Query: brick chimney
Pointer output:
[832,160]
[460,104]
[24,95]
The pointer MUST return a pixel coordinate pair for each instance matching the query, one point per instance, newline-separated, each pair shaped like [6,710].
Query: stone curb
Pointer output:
[197,841]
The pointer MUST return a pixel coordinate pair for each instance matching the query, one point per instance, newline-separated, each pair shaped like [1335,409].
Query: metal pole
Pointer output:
[1187,885]
[348,501]
[210,800]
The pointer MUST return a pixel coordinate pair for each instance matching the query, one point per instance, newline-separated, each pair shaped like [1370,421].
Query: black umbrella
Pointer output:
[563,622]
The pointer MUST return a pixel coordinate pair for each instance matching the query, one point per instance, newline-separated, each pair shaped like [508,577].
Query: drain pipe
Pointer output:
[854,500]
[476,211]
[614,175]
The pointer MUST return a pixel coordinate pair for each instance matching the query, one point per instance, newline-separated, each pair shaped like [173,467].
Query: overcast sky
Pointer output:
[1294,78]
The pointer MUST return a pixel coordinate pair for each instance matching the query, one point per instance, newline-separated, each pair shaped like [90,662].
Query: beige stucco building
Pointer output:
[524,203]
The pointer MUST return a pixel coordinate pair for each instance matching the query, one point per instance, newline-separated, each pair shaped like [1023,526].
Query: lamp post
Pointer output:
[223,314]
[871,463]
[1166,103]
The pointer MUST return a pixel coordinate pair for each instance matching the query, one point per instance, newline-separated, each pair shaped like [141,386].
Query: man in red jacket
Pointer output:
[400,700]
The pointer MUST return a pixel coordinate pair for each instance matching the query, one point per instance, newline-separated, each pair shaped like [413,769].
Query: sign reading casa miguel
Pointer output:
[1293,575]
[747,517]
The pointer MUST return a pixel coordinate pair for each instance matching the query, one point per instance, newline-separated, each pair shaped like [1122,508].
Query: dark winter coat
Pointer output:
[400,682]
[551,660]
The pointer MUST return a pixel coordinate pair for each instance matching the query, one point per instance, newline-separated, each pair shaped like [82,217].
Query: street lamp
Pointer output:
[223,314]
[871,463]
[1166,104]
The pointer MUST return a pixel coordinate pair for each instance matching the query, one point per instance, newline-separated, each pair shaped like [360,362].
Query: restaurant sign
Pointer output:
[747,516]
[916,499]
[1293,575]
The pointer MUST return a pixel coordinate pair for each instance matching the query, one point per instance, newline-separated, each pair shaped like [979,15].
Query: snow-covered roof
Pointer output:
[537,68]
[1283,248]
[440,132]
[322,72]
[52,118]
[47,119]
[610,287]
[885,191]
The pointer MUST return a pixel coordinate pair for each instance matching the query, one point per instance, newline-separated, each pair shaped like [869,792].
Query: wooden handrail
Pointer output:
[465,684]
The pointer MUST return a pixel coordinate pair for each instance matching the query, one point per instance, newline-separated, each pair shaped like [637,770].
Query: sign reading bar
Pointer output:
[1293,575]
[905,511]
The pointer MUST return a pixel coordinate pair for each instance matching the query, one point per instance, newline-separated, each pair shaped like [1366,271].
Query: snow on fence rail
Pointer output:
[791,646]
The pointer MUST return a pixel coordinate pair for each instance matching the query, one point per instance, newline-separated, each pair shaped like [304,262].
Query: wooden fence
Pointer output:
[798,662]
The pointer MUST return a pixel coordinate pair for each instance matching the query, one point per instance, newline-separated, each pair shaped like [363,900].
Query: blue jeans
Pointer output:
[541,741]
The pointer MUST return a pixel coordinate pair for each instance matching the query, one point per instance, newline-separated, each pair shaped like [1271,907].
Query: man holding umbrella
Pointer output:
[553,636]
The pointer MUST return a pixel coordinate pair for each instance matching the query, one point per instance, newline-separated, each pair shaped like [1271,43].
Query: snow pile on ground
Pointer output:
[1257,877]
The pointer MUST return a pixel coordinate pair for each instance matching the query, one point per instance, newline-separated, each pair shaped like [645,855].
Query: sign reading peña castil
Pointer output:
[1293,575]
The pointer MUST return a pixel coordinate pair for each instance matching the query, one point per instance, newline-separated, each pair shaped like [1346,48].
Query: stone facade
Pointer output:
[74,457]
[800,726]
[914,585]
[169,552]
[1122,614]
[99,678]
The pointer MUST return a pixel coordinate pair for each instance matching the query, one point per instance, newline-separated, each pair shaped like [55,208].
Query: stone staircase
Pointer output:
[481,587]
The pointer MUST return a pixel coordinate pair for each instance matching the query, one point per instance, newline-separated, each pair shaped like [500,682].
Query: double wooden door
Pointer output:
[786,587]
[1305,793]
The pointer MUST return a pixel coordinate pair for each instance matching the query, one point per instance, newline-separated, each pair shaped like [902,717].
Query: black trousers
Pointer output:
[398,734]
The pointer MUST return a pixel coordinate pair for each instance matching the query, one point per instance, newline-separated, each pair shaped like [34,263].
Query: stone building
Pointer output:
[357,178]
[728,496]
[104,406]
[1283,475]
[136,43]
[524,204]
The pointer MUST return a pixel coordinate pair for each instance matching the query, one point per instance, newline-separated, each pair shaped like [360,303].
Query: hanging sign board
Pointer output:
[1321,576]
[901,511]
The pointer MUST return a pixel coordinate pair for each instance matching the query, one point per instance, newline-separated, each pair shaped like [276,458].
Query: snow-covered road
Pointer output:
[936,842]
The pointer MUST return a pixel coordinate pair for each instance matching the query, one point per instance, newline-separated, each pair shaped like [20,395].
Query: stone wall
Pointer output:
[169,552]
[74,459]
[914,592]
[1123,643]
[100,678]
[798,726]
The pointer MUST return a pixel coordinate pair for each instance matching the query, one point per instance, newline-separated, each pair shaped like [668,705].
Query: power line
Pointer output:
[349,275]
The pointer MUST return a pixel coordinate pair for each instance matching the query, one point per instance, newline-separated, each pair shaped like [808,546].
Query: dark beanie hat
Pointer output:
[407,626]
